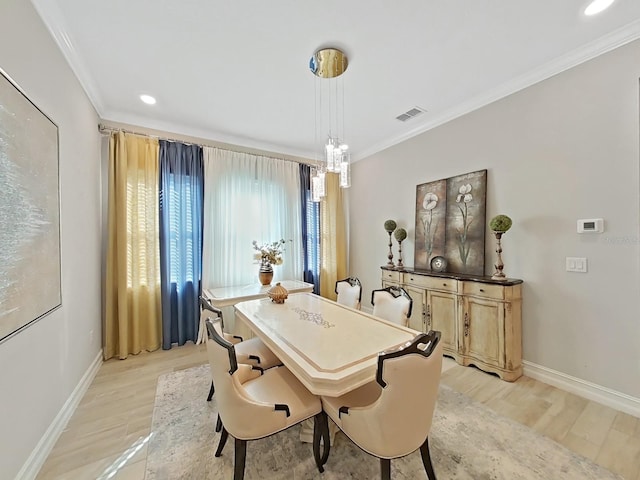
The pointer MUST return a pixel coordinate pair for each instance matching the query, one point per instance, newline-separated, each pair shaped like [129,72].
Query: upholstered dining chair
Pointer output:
[393,304]
[391,417]
[256,405]
[349,292]
[251,351]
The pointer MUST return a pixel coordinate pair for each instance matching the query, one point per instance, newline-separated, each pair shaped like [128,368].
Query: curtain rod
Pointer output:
[107,130]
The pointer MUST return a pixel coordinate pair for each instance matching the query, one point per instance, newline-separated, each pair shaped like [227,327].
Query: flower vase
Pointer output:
[265,274]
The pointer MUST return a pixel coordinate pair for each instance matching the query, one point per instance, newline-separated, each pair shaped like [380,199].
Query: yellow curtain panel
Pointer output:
[333,240]
[132,317]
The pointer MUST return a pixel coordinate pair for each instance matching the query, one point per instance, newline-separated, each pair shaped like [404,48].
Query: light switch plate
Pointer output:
[576,264]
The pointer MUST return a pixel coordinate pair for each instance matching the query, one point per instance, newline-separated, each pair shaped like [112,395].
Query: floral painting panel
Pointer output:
[466,219]
[431,209]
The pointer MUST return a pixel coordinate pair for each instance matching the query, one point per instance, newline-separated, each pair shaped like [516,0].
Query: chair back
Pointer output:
[400,419]
[210,311]
[243,417]
[349,292]
[393,304]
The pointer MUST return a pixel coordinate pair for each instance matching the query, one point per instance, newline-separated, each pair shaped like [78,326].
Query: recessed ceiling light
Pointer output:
[148,99]
[597,6]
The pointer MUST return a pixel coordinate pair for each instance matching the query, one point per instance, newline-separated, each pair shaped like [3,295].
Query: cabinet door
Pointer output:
[483,330]
[441,315]
[417,320]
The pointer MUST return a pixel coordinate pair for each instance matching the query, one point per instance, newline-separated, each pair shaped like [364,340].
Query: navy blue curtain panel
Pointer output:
[181,220]
[310,230]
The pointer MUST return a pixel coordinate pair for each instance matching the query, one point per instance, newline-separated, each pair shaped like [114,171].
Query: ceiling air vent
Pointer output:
[410,114]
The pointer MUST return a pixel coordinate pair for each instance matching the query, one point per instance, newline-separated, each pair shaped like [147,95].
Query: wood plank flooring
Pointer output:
[105,436]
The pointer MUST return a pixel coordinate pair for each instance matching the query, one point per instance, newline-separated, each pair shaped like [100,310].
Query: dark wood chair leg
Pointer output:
[326,437]
[223,440]
[426,460]
[241,456]
[218,424]
[211,391]
[318,434]
[385,469]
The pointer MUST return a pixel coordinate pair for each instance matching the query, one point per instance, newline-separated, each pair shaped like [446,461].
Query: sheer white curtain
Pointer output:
[249,197]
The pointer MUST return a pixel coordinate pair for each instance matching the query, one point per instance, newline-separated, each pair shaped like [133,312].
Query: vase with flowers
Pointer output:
[268,254]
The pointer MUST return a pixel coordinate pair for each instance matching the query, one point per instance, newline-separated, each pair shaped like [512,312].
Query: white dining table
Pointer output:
[224,297]
[332,349]
[227,296]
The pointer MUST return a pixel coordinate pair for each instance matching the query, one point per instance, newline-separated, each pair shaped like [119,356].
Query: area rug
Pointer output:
[468,442]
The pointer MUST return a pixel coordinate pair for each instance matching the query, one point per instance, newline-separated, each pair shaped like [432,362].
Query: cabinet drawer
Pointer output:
[388,276]
[486,290]
[431,283]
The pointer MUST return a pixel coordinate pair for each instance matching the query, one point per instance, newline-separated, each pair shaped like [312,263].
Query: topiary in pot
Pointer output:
[400,235]
[390,226]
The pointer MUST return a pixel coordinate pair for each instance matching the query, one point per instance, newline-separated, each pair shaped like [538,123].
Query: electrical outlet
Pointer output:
[576,264]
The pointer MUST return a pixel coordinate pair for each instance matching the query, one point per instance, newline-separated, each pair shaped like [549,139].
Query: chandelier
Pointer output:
[328,64]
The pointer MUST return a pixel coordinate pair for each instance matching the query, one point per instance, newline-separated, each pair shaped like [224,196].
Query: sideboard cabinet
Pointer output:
[480,319]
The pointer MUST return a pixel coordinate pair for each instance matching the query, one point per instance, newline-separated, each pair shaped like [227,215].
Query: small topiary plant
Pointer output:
[390,225]
[400,234]
[500,223]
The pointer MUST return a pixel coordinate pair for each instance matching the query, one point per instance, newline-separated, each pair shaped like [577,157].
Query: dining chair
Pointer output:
[391,417]
[349,292]
[393,304]
[254,406]
[251,351]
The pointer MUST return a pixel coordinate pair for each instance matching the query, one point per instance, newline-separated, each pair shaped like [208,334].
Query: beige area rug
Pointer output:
[468,442]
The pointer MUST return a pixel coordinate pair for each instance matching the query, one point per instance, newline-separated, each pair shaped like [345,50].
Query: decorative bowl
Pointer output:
[277,293]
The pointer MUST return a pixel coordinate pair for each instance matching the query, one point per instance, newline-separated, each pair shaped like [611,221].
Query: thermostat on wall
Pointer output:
[591,225]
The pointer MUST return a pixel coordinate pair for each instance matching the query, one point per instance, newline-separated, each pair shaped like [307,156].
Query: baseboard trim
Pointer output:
[36,460]
[591,391]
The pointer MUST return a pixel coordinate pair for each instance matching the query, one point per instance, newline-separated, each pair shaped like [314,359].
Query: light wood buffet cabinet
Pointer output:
[480,319]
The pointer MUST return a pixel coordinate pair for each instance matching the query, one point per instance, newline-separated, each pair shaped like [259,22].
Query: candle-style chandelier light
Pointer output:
[328,64]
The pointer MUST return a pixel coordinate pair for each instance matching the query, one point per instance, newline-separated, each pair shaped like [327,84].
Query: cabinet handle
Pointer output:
[466,324]
[427,312]
[444,284]
[482,290]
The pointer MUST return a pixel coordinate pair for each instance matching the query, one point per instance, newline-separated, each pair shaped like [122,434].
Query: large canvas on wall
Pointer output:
[450,222]
[29,212]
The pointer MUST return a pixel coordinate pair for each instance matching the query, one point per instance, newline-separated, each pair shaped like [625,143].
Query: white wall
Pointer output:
[41,366]
[561,150]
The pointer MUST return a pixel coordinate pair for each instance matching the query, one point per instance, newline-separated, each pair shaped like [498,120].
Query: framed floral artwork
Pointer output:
[450,223]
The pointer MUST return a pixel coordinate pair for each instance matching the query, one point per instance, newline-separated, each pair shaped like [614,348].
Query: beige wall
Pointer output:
[563,149]
[42,365]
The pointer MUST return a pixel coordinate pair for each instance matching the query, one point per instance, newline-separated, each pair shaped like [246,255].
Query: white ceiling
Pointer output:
[237,71]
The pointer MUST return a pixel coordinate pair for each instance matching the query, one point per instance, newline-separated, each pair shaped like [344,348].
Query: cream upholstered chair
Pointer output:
[349,292]
[251,351]
[254,404]
[391,417]
[393,304]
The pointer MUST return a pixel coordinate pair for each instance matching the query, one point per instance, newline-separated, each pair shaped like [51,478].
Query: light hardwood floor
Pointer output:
[116,411]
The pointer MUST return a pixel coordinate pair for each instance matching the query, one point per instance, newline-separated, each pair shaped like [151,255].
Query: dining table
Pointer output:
[226,296]
[331,348]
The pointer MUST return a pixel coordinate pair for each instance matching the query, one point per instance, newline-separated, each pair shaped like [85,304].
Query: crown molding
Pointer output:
[221,139]
[608,42]
[55,23]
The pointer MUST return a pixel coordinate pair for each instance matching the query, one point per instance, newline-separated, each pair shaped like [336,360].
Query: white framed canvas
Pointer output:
[29,212]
